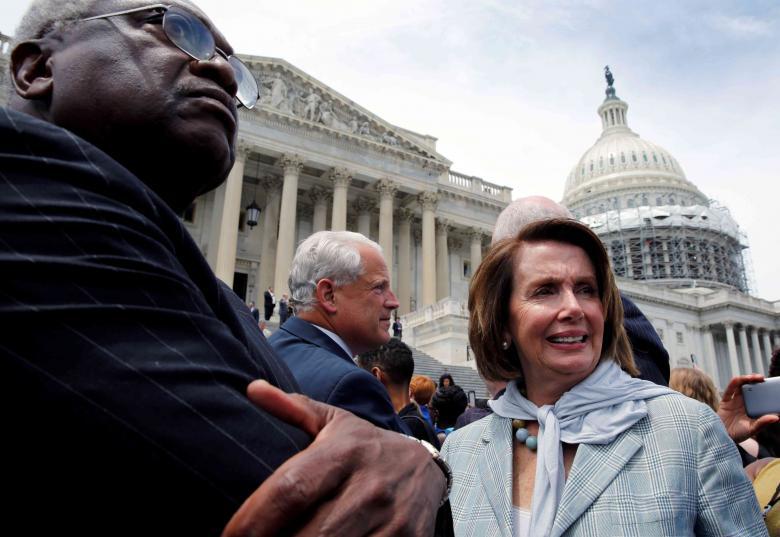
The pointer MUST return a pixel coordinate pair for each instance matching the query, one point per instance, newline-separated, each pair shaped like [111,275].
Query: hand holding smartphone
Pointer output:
[762,397]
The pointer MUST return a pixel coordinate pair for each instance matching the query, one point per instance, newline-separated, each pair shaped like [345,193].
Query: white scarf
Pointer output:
[595,411]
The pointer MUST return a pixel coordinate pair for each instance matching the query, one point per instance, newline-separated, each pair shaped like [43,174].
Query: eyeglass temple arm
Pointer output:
[126,12]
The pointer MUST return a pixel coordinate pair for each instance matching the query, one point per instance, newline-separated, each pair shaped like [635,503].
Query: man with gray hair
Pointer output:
[650,356]
[340,287]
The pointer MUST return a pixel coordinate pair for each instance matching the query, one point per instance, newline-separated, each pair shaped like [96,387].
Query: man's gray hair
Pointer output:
[45,16]
[524,211]
[325,254]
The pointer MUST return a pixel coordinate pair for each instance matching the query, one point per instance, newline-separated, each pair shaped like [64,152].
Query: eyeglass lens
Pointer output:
[193,37]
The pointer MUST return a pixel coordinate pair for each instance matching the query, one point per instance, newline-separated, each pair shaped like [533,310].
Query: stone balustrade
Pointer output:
[478,185]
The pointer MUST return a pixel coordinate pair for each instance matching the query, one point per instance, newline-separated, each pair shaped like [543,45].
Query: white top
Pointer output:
[335,337]
[521,522]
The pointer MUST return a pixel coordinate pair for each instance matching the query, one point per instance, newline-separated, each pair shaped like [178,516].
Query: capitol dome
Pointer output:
[623,170]
[656,225]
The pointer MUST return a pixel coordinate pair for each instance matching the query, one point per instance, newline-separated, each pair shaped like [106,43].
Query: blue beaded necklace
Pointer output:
[523,436]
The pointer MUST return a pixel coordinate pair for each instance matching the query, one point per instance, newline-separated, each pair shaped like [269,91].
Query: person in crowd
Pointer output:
[254,311]
[393,364]
[128,408]
[341,289]
[445,381]
[495,389]
[769,437]
[397,328]
[546,316]
[448,403]
[264,329]
[650,356]
[421,389]
[698,385]
[269,303]
[284,309]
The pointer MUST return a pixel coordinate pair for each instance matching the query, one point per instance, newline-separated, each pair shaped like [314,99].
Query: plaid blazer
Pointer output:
[674,473]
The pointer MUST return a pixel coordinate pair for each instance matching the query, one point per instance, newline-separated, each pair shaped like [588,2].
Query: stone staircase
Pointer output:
[464,376]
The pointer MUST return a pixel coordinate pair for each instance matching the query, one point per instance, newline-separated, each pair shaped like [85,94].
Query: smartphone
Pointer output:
[762,397]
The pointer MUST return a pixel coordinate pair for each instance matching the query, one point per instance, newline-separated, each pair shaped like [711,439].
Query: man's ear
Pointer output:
[379,375]
[326,296]
[31,71]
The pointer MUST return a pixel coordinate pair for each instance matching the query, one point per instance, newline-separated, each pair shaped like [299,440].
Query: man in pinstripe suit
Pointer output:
[126,362]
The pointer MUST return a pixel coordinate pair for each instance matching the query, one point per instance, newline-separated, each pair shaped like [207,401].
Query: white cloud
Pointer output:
[742,26]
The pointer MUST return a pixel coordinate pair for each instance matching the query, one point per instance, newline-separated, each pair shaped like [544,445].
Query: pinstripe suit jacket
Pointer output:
[125,362]
[674,473]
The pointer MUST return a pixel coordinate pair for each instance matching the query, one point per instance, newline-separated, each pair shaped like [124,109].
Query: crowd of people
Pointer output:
[143,397]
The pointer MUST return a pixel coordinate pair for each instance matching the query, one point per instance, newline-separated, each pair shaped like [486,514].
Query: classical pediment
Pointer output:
[289,93]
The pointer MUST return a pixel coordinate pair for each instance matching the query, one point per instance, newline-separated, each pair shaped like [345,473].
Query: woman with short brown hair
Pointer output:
[576,446]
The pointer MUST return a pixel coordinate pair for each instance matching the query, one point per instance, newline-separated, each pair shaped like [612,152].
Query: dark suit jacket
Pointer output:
[125,361]
[325,372]
[650,355]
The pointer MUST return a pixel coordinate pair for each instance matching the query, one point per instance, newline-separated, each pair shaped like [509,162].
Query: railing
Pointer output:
[442,308]
[5,44]
[478,185]
[714,298]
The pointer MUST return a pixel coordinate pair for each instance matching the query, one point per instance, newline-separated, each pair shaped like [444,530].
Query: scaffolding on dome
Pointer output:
[680,246]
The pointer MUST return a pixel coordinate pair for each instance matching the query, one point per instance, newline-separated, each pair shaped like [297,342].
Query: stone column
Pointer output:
[767,349]
[363,207]
[711,359]
[428,202]
[776,340]
[292,166]
[227,213]
[405,260]
[387,190]
[476,248]
[319,198]
[341,179]
[747,365]
[273,189]
[733,359]
[442,260]
[757,361]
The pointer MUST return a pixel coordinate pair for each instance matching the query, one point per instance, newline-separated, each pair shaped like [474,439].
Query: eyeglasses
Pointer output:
[193,37]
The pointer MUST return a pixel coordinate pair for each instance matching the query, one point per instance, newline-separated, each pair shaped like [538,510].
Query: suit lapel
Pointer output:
[595,467]
[495,470]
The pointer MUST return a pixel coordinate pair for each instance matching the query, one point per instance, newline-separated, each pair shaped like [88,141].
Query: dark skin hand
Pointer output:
[732,411]
[354,479]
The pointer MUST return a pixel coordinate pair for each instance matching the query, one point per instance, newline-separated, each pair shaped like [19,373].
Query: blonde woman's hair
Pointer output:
[696,384]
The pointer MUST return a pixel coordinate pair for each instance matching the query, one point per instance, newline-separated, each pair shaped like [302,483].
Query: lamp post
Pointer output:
[252,214]
[253,211]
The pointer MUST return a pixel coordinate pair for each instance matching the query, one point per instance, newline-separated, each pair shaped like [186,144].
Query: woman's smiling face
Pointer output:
[556,319]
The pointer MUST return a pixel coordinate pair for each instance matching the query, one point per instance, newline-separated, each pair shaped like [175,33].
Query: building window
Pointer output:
[466,270]
[680,338]
[242,221]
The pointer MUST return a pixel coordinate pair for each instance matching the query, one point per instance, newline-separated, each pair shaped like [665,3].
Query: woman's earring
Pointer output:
[505,345]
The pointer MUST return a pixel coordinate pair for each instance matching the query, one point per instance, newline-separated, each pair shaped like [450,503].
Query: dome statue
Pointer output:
[656,224]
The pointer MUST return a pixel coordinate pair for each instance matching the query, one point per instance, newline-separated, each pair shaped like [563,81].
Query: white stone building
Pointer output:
[312,159]
[676,252]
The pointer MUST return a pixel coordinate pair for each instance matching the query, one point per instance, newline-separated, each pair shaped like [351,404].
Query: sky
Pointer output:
[511,88]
